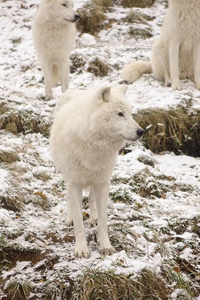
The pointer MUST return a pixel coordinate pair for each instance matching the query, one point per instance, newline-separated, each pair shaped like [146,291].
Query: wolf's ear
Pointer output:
[122,88]
[103,93]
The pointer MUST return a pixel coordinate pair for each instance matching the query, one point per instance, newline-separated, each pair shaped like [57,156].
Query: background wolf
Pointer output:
[54,35]
[176,53]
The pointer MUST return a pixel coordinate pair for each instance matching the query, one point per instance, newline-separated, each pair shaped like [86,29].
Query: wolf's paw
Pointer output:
[168,84]
[81,250]
[48,97]
[105,247]
[176,86]
[197,85]
[107,251]
[69,221]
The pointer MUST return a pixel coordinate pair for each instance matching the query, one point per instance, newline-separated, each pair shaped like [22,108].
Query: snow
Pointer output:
[137,223]
[3,184]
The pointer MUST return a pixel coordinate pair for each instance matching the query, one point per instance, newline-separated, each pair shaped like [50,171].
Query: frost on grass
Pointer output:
[17,121]
[176,129]
[98,67]
[18,288]
[95,284]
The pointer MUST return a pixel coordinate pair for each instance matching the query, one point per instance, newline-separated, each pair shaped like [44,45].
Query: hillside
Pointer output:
[154,204]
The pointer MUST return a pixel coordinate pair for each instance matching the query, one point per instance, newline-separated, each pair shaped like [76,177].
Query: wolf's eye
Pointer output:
[120,114]
[65,5]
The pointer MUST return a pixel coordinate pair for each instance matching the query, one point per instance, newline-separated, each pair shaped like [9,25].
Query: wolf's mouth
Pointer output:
[76,17]
[72,21]
[131,139]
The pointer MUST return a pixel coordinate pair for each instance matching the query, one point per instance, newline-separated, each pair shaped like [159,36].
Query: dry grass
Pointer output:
[12,200]
[93,14]
[137,3]
[152,285]
[18,289]
[135,17]
[175,278]
[148,186]
[3,107]
[8,157]
[171,130]
[98,67]
[139,32]
[24,121]
[52,292]
[59,289]
[92,17]
[121,195]
[77,62]
[104,4]
[98,285]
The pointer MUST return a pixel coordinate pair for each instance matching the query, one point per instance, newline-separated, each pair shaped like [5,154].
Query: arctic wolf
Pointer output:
[87,133]
[54,35]
[176,53]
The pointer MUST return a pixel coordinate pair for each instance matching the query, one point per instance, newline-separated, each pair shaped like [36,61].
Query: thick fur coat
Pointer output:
[54,34]
[87,133]
[176,53]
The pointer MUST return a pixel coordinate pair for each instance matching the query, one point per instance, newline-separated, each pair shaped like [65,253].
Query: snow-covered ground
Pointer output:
[148,229]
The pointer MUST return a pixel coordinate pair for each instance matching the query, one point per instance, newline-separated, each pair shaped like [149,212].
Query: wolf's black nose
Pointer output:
[140,132]
[76,17]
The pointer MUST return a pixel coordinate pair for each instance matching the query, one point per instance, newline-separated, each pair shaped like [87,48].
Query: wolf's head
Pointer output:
[60,11]
[112,115]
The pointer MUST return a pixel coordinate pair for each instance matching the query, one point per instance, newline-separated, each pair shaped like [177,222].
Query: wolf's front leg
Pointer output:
[196,58]
[93,208]
[64,73]
[174,64]
[101,195]
[69,220]
[48,79]
[75,199]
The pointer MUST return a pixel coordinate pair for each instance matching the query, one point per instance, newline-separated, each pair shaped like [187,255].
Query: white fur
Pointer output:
[86,136]
[176,53]
[135,70]
[54,35]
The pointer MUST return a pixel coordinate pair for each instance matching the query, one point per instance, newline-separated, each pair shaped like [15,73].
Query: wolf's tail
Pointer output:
[56,75]
[135,70]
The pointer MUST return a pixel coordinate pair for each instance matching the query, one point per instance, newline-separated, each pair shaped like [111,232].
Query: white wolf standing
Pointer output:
[87,133]
[176,53]
[54,35]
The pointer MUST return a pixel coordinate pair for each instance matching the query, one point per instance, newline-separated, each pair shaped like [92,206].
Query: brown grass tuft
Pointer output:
[77,62]
[93,13]
[12,200]
[18,289]
[171,130]
[153,286]
[8,157]
[98,67]
[92,16]
[139,32]
[24,121]
[137,3]
[98,285]
[135,17]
